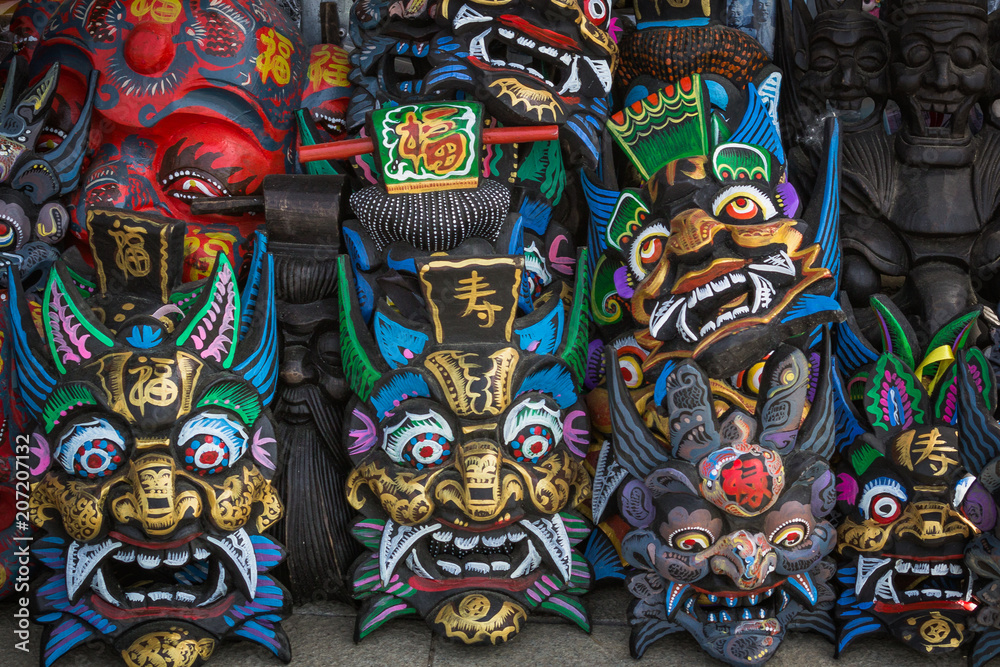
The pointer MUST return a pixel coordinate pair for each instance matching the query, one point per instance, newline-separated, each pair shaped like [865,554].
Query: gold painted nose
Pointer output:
[153,501]
[479,463]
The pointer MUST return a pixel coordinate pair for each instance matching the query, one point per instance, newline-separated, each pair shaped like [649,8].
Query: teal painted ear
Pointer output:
[74,334]
[894,399]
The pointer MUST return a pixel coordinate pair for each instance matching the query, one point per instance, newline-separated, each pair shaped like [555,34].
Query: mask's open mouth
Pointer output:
[514,45]
[742,614]
[509,556]
[716,301]
[903,584]
[195,574]
[940,119]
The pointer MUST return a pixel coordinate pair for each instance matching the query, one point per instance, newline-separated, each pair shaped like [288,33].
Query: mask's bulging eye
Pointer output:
[597,11]
[691,539]
[790,534]
[422,441]
[91,449]
[191,184]
[211,442]
[882,500]
[647,248]
[532,430]
[743,204]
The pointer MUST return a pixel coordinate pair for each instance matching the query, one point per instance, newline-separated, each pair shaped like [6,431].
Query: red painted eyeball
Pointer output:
[790,534]
[532,430]
[211,442]
[691,539]
[598,12]
[92,449]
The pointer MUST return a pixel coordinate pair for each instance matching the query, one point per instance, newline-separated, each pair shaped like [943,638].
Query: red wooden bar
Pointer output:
[341,150]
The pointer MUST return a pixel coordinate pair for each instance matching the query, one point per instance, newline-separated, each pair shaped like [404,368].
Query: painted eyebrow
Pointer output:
[63,401]
[235,397]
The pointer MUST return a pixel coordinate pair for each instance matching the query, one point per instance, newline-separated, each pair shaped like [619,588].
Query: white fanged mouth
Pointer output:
[701,311]
[505,48]
[902,581]
[196,573]
[509,553]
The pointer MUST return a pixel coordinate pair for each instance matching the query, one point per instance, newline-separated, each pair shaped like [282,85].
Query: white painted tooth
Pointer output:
[514,65]
[220,588]
[200,553]
[413,562]
[866,566]
[506,33]
[449,567]
[526,565]
[467,15]
[535,72]
[955,568]
[737,278]
[148,561]
[921,568]
[692,299]
[708,328]
[727,316]
[552,535]
[719,284]
[939,569]
[548,50]
[125,555]
[525,42]
[703,292]
[477,567]
[176,557]
[572,84]
[396,541]
[160,596]
[741,311]
[494,541]
[477,47]
[603,71]
[182,596]
[885,589]
[763,292]
[135,596]
[912,593]
[467,543]
[684,328]
[82,560]
[443,535]
[565,58]
[777,263]
[902,566]
[516,535]
[931,593]
[952,594]
[662,313]
[239,550]
[500,566]
[98,584]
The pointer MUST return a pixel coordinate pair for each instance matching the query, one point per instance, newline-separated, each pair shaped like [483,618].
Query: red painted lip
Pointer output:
[481,528]
[738,594]
[440,585]
[195,613]
[933,605]
[541,34]
[152,545]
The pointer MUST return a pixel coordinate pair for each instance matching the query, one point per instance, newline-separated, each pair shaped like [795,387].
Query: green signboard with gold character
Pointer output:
[424,147]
